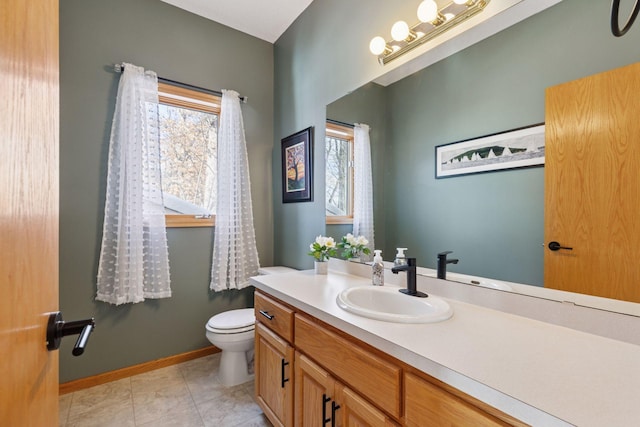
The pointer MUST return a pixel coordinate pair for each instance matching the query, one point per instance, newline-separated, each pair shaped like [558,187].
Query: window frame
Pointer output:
[345,133]
[182,97]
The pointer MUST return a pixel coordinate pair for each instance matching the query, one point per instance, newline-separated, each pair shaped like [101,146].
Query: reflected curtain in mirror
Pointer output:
[363,185]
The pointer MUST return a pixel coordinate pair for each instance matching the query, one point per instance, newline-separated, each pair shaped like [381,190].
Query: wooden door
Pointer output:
[314,394]
[273,379]
[28,210]
[356,412]
[592,185]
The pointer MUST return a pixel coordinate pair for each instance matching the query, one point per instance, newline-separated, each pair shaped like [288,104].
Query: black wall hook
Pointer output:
[58,328]
[615,20]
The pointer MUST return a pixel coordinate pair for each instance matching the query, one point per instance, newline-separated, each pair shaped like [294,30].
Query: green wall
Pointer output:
[95,34]
[495,85]
[317,60]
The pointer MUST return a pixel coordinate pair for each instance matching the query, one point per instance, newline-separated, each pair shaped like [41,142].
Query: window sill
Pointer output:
[176,221]
[339,220]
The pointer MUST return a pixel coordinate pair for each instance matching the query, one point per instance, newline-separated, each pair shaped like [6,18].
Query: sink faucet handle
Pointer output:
[444,254]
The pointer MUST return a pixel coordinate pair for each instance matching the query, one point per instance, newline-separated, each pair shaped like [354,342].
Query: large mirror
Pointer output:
[492,222]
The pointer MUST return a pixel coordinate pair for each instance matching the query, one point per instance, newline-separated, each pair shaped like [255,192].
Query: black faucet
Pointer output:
[442,264]
[410,268]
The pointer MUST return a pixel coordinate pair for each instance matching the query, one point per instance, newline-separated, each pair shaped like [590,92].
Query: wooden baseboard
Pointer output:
[129,371]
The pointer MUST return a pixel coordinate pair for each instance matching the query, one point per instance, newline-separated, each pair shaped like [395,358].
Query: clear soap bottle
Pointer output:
[400,258]
[378,268]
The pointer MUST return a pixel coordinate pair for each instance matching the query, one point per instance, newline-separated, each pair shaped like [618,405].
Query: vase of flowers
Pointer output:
[353,247]
[321,249]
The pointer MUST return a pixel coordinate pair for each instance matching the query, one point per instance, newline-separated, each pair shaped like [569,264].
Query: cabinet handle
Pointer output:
[283,379]
[325,400]
[267,315]
[334,408]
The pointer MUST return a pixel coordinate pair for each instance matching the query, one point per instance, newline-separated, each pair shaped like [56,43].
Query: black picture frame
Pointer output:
[297,167]
[525,146]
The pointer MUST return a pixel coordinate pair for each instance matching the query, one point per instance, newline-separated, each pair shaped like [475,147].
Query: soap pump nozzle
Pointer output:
[400,258]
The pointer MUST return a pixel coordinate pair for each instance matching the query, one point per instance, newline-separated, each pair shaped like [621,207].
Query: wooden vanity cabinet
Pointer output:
[274,358]
[319,376]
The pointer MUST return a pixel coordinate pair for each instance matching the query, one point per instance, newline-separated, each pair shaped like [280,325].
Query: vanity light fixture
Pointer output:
[433,22]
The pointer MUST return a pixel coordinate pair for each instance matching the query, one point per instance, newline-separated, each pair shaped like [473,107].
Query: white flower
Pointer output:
[324,242]
[361,240]
[351,239]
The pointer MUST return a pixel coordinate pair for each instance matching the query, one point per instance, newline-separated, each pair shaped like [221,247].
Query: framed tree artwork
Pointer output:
[297,167]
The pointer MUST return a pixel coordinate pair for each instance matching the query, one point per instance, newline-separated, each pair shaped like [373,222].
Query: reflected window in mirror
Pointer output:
[339,173]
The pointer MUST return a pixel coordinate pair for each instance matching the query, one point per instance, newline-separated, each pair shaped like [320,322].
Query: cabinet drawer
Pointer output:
[274,315]
[374,378]
[428,404]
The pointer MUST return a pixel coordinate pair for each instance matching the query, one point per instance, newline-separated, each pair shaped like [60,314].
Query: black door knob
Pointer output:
[58,328]
[555,246]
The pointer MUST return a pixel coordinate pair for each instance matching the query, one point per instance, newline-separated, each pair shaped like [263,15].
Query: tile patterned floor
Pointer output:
[185,395]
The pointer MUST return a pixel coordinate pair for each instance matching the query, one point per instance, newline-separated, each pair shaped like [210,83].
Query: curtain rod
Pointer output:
[339,123]
[118,68]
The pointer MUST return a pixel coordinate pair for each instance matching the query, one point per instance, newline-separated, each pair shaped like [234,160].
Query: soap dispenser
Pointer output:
[378,268]
[400,259]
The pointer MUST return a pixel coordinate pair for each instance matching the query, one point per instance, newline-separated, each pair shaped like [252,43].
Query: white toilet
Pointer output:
[233,332]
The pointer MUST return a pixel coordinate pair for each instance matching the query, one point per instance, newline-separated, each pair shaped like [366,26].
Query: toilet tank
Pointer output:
[265,271]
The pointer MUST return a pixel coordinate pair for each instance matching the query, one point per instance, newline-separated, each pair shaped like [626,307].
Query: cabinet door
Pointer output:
[273,381]
[314,394]
[428,404]
[354,411]
[378,379]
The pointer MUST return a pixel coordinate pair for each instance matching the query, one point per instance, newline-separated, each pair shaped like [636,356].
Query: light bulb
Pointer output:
[428,11]
[459,1]
[400,31]
[377,45]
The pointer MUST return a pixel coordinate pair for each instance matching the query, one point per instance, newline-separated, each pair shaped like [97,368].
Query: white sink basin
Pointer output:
[388,304]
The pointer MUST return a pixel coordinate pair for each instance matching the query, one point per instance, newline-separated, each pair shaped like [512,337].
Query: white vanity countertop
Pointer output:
[540,373]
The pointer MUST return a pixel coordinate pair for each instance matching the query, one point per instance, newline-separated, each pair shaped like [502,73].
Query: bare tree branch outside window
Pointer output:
[188,141]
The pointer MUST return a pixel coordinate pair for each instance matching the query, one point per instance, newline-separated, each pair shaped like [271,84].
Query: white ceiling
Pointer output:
[266,20]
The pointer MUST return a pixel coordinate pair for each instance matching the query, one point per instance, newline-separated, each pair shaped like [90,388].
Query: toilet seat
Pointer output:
[230,331]
[232,322]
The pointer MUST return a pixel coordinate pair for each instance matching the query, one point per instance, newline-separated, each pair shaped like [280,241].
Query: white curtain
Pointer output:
[363,185]
[134,261]
[235,256]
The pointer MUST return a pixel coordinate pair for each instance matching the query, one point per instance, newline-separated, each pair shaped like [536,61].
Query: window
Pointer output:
[188,152]
[339,174]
